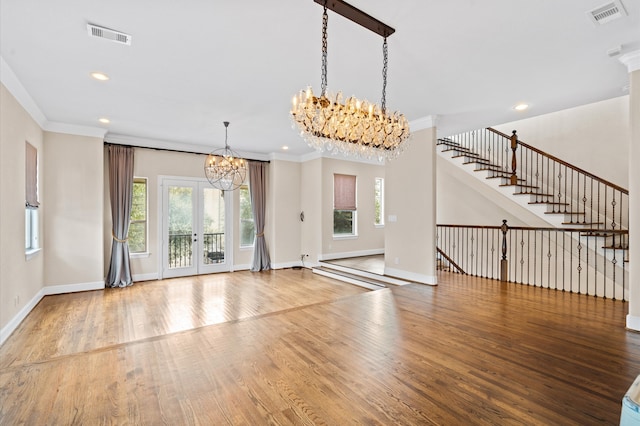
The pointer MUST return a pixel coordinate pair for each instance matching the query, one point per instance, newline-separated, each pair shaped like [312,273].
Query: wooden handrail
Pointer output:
[564,163]
[530,228]
[451,262]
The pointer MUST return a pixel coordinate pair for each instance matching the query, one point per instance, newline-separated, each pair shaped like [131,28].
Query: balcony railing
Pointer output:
[181,249]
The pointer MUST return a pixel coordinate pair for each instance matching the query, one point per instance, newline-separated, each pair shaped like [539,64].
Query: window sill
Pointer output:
[345,237]
[246,248]
[29,254]
[139,255]
[378,225]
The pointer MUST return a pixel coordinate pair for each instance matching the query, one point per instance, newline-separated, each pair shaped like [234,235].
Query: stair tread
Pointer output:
[564,213]
[491,169]
[604,233]
[518,184]
[468,154]
[504,177]
[554,203]
[537,194]
[481,162]
[460,149]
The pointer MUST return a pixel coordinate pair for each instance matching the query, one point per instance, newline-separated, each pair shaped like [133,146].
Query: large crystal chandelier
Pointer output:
[350,127]
[224,169]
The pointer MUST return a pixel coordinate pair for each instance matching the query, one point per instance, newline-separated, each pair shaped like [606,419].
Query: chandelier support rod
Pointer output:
[359,17]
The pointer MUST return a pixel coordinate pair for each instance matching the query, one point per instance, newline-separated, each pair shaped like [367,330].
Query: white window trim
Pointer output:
[146,253]
[31,253]
[354,227]
[139,255]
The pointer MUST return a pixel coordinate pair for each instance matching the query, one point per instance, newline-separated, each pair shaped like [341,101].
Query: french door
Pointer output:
[195,228]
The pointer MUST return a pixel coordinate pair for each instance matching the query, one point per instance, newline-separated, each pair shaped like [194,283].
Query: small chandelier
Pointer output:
[351,127]
[224,169]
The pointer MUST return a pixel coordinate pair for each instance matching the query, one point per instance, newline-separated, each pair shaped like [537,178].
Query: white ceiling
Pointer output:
[193,64]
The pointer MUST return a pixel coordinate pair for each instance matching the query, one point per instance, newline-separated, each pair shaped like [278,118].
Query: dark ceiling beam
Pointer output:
[359,17]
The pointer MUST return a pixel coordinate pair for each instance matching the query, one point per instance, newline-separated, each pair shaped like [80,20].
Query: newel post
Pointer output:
[504,264]
[514,163]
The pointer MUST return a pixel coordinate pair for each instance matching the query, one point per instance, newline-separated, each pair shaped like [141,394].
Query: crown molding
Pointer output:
[631,60]
[74,129]
[10,80]
[423,123]
[284,157]
[174,146]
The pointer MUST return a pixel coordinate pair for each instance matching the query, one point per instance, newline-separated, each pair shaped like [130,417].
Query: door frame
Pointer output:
[228,222]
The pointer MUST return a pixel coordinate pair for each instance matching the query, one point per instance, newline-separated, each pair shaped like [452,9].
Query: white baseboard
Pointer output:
[411,276]
[145,277]
[331,256]
[633,322]
[11,326]
[72,288]
[284,265]
[243,267]
[15,321]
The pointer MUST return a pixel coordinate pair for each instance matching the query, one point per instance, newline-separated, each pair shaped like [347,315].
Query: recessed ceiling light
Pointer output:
[285,147]
[521,107]
[104,120]
[99,76]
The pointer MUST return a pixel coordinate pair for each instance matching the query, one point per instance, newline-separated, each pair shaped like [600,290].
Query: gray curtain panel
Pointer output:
[121,192]
[257,190]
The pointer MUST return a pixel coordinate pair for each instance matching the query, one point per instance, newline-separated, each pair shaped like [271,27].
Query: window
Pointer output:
[138,223]
[379,201]
[247,227]
[31,242]
[344,205]
[31,228]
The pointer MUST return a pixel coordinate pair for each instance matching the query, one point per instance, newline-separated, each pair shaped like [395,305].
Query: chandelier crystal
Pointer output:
[351,127]
[224,168]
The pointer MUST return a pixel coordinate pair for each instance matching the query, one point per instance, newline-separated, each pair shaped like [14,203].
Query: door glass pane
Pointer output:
[213,226]
[180,226]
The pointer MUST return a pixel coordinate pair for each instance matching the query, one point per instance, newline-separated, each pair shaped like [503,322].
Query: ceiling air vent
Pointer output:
[607,13]
[108,34]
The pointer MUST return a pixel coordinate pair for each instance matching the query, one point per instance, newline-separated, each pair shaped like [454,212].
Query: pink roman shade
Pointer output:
[31,175]
[344,192]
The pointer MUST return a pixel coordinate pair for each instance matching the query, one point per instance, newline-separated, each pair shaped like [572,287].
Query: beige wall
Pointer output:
[410,196]
[283,233]
[369,236]
[464,200]
[74,216]
[311,205]
[593,137]
[20,279]
[316,201]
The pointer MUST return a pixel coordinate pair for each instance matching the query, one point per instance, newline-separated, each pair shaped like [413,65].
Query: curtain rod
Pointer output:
[173,150]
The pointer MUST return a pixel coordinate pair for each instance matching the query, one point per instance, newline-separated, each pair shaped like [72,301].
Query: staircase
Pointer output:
[562,195]
[344,270]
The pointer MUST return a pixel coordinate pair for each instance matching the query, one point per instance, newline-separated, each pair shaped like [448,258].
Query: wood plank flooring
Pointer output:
[291,347]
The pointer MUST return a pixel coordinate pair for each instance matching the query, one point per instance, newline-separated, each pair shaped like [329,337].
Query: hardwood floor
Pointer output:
[292,347]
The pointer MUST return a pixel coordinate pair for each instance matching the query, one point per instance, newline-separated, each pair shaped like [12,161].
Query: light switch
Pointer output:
[393,218]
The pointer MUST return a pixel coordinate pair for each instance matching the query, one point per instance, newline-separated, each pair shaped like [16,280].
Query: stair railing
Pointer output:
[583,198]
[556,258]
